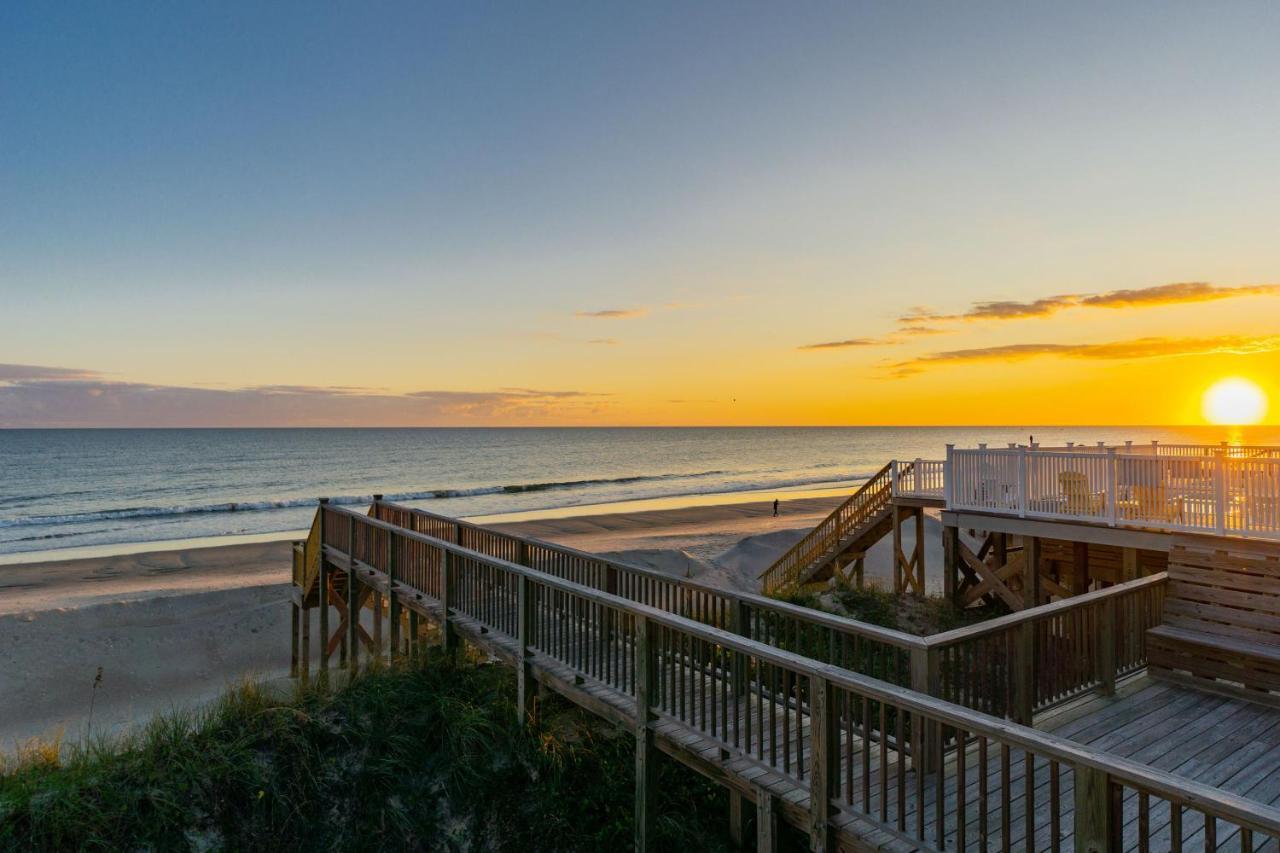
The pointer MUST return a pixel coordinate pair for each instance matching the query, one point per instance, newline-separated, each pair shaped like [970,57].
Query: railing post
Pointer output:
[645,664]
[448,641]
[322,590]
[1220,491]
[526,691]
[1022,482]
[926,679]
[353,600]
[916,468]
[1107,645]
[1024,672]
[1097,825]
[825,751]
[893,477]
[948,477]
[393,600]
[1113,487]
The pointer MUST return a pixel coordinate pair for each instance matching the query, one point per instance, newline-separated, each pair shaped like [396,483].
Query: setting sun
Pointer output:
[1234,401]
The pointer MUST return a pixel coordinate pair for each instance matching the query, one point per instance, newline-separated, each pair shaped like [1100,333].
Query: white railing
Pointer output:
[919,478]
[1224,492]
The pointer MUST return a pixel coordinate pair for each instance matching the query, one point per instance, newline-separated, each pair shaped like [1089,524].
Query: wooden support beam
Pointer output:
[1096,824]
[295,624]
[992,581]
[322,587]
[950,538]
[738,814]
[767,840]
[646,754]
[1080,580]
[394,612]
[899,581]
[305,672]
[353,600]
[415,634]
[824,743]
[919,552]
[926,678]
[1031,559]
[526,689]
[1128,564]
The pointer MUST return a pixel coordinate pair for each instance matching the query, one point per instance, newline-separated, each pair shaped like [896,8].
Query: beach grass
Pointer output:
[414,756]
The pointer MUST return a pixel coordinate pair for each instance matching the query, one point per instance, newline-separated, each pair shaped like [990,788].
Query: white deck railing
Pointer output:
[919,478]
[1212,489]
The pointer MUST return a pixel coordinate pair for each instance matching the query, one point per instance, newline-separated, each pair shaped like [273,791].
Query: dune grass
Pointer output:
[417,756]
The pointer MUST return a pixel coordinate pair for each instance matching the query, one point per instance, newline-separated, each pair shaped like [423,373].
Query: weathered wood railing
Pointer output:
[880,652]
[861,507]
[1026,662]
[838,734]
[988,667]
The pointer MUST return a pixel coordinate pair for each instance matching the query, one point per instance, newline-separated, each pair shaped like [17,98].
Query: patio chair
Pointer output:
[1080,500]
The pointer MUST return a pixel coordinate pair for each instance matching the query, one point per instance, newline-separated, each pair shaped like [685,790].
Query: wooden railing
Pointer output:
[1220,494]
[862,507]
[858,744]
[1018,665]
[881,652]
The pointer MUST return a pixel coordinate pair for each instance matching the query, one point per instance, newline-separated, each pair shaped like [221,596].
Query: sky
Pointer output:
[654,214]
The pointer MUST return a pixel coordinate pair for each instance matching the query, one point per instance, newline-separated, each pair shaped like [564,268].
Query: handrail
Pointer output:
[823,635]
[870,499]
[924,710]
[1043,611]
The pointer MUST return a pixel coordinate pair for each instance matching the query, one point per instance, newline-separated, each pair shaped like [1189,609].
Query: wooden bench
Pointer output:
[1221,624]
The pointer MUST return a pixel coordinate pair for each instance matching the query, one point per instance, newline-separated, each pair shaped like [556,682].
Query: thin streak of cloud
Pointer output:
[613,313]
[851,343]
[1139,348]
[1164,294]
[604,342]
[58,397]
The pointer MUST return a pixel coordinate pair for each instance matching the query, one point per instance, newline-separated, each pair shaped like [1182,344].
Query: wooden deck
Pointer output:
[858,763]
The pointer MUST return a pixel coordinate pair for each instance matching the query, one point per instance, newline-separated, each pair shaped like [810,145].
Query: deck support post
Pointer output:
[919,552]
[295,625]
[322,588]
[925,678]
[353,600]
[1128,564]
[526,685]
[448,642]
[646,772]
[1031,551]
[899,574]
[1024,673]
[950,562]
[1080,581]
[415,635]
[766,821]
[394,613]
[1096,828]
[823,769]
[1107,647]
[737,818]
[304,672]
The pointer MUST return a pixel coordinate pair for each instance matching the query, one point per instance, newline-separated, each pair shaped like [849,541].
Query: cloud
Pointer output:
[848,344]
[1162,294]
[613,313]
[920,330]
[1139,348]
[27,372]
[55,397]
[606,342]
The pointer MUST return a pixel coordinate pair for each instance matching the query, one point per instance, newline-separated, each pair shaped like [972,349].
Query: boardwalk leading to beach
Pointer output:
[856,762]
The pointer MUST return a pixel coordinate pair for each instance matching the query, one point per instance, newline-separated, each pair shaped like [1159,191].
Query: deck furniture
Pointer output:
[1221,621]
[1080,500]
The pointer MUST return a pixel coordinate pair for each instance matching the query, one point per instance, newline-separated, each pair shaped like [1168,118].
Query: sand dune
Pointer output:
[174,628]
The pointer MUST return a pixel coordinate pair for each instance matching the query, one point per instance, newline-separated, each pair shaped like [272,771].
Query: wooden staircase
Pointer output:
[841,538]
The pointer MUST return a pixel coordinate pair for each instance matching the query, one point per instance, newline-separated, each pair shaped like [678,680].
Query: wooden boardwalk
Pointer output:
[857,763]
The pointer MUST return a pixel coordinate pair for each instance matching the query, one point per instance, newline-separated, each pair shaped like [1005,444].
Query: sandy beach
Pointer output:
[172,629]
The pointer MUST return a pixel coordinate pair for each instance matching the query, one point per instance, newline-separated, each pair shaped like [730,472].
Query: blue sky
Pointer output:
[243,195]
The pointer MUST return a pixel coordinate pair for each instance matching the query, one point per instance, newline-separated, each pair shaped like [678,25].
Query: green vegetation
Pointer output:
[412,757]
[912,614]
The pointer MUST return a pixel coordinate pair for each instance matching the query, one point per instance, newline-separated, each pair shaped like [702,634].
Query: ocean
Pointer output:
[68,489]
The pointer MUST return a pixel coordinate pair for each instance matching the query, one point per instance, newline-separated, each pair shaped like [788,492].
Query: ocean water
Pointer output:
[64,489]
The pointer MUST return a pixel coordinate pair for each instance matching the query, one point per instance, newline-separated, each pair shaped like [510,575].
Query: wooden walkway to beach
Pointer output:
[855,762]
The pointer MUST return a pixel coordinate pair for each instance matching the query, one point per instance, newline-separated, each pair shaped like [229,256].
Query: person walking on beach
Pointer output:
[775,507]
